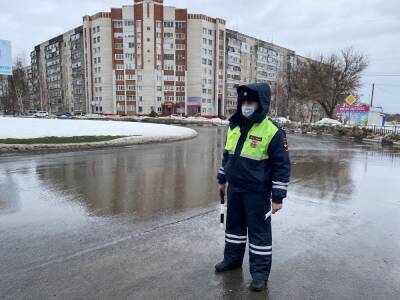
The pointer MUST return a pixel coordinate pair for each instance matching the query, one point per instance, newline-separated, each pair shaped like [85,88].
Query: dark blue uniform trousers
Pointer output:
[249,214]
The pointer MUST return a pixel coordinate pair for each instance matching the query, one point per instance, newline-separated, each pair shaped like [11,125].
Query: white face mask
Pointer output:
[248,111]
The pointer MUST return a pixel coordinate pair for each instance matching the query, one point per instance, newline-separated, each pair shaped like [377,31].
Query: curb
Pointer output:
[396,144]
[372,141]
[127,141]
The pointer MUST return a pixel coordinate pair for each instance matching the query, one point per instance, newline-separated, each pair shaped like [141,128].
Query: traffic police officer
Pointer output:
[257,167]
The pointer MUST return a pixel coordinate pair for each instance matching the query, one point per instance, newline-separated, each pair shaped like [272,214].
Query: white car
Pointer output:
[41,114]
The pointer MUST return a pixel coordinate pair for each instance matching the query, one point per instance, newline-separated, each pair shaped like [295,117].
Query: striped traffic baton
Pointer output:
[222,207]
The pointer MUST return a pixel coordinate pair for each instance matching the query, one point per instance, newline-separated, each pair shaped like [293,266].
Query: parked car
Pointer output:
[64,115]
[79,113]
[41,114]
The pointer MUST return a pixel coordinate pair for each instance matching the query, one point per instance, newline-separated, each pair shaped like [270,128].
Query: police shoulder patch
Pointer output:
[285,144]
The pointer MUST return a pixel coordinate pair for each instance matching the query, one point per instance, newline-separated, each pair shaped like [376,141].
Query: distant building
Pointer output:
[149,57]
[58,74]
[252,60]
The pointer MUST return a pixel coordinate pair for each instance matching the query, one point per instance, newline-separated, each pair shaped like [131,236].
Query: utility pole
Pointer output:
[372,95]
[289,86]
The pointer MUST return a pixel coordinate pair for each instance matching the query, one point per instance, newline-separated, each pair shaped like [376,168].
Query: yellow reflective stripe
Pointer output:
[258,139]
[264,157]
[233,136]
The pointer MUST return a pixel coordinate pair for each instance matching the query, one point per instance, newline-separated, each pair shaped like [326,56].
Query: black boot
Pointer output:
[224,266]
[258,285]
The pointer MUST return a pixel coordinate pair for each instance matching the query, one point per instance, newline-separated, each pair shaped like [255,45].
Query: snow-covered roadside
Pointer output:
[26,128]
[137,133]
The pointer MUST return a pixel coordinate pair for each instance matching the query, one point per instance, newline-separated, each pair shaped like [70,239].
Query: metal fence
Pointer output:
[383,130]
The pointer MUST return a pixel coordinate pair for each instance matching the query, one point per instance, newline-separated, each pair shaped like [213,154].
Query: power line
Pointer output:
[387,84]
[381,75]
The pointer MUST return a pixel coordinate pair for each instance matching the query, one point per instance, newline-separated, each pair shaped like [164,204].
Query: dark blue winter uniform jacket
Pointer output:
[242,173]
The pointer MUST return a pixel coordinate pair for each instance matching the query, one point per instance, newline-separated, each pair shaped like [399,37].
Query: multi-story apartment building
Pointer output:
[253,60]
[206,66]
[149,57]
[58,74]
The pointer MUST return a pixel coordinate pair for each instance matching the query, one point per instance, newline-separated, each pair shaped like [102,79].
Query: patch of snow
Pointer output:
[25,128]
[282,120]
[328,122]
[218,121]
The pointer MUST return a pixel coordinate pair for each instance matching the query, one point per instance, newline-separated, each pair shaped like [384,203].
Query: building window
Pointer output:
[128,23]
[180,36]
[169,24]
[119,57]
[180,46]
[169,78]
[168,35]
[180,58]
[130,77]
[180,24]
[118,24]
[118,35]
[98,39]
[168,46]
[168,57]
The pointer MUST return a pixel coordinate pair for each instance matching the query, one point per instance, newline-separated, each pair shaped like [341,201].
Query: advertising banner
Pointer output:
[5,58]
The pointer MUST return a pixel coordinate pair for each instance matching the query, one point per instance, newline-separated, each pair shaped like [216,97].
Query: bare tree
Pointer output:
[328,80]
[17,89]
[280,88]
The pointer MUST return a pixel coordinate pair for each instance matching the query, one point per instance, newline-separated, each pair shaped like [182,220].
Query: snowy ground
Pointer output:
[25,128]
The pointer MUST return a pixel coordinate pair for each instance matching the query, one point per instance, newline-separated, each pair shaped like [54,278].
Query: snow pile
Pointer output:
[282,120]
[218,121]
[328,122]
[198,119]
[25,128]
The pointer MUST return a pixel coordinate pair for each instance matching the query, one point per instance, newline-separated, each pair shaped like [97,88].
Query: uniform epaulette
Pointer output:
[275,123]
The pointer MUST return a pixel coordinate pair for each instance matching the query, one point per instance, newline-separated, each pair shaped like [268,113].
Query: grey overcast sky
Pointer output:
[309,27]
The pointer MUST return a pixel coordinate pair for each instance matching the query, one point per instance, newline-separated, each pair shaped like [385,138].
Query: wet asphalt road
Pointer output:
[141,223]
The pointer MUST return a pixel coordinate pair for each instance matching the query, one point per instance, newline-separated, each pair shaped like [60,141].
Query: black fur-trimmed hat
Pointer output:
[246,94]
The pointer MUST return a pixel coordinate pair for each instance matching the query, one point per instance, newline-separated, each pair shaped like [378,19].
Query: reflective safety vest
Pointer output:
[257,141]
